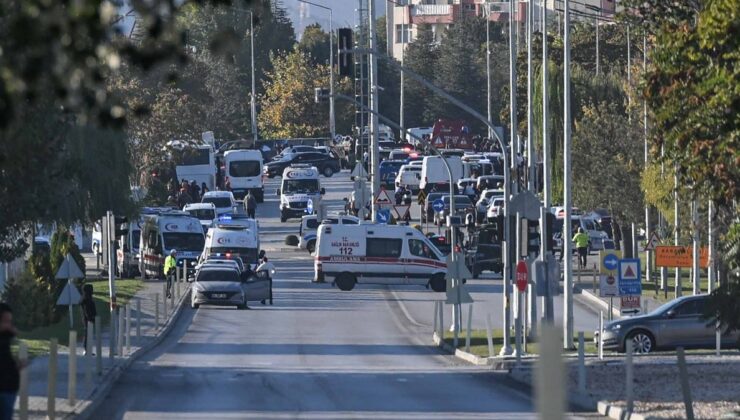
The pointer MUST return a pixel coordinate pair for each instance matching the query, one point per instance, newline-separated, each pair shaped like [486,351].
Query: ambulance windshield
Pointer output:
[305,186]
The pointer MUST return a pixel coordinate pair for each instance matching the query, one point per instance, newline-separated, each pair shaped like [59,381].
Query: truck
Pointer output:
[434,173]
[451,134]
[194,163]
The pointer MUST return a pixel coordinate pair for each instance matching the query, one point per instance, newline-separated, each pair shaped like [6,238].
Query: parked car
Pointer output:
[678,323]
[327,164]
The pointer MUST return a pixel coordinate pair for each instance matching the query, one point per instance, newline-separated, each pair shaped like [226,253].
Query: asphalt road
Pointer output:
[317,353]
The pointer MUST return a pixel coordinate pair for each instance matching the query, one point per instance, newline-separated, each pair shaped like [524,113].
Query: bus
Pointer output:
[195,163]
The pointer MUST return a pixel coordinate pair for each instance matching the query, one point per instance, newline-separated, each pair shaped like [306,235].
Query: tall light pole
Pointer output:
[488,68]
[648,227]
[513,141]
[253,94]
[567,230]
[531,164]
[405,38]
[374,105]
[332,121]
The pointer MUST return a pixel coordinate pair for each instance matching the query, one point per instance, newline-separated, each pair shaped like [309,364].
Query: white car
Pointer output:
[223,200]
[481,207]
[205,212]
[409,176]
[495,208]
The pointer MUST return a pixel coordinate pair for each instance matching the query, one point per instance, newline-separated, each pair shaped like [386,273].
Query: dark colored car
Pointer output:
[388,170]
[327,164]
[427,213]
[678,323]
[484,257]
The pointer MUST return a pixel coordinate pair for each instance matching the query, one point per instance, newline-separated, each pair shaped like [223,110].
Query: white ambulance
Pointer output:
[233,239]
[165,231]
[380,254]
[244,173]
[300,190]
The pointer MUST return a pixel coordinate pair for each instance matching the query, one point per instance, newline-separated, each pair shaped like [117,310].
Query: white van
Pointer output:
[223,200]
[127,253]
[299,184]
[417,132]
[310,224]
[205,212]
[409,176]
[232,240]
[434,172]
[381,254]
[244,171]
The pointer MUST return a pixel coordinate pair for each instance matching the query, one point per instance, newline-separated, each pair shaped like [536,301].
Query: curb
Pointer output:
[284,249]
[574,399]
[460,354]
[618,413]
[598,301]
[84,409]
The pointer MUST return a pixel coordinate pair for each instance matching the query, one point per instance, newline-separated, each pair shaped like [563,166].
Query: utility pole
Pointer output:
[374,105]
[567,229]
[711,273]
[514,138]
[545,153]
[531,161]
[695,242]
[488,68]
[597,44]
[253,99]
[678,286]
[648,227]
[404,39]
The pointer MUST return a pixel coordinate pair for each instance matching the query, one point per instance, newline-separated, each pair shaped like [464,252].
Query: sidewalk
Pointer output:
[89,392]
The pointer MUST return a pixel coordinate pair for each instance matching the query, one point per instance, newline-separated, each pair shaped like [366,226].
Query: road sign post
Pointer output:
[630,285]
[70,295]
[522,280]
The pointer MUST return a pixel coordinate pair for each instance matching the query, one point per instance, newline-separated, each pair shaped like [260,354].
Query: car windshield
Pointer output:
[292,186]
[244,168]
[460,200]
[248,255]
[203,214]
[490,182]
[218,275]
[219,202]
[184,241]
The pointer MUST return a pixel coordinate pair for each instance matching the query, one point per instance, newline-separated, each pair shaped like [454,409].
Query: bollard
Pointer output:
[156,311]
[629,391]
[121,330]
[51,386]
[685,389]
[717,339]
[550,383]
[177,287]
[23,391]
[112,339]
[594,279]
[128,329]
[89,356]
[172,298]
[99,347]
[442,321]
[601,335]
[72,368]
[164,303]
[644,306]
[434,315]
[470,321]
[138,322]
[489,335]
[581,363]
[177,274]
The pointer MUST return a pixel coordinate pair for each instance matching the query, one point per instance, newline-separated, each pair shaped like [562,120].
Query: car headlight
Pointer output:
[615,327]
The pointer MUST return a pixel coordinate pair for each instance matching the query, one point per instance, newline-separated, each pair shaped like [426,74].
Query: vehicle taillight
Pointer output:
[228,255]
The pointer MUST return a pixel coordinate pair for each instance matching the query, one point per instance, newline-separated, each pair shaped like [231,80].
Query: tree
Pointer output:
[604,139]
[421,56]
[315,43]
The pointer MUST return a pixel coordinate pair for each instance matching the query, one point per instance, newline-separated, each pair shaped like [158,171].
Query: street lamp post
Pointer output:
[253,94]
[332,121]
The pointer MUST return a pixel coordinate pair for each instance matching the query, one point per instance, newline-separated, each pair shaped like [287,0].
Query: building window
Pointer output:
[403,34]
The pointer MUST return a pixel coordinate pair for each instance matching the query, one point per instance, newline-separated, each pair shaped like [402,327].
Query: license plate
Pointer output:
[219,295]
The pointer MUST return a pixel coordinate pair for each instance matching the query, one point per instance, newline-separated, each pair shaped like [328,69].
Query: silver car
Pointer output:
[678,323]
[225,285]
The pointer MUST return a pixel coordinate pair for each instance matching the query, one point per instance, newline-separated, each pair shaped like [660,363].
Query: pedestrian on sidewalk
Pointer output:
[250,203]
[581,240]
[89,312]
[170,265]
[10,376]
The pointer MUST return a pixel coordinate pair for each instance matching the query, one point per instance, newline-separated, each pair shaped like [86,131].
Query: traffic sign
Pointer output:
[521,276]
[401,211]
[458,294]
[630,305]
[69,269]
[438,205]
[309,206]
[421,197]
[629,277]
[608,285]
[384,198]
[359,171]
[609,261]
[652,243]
[679,256]
[384,215]
[458,270]
[69,296]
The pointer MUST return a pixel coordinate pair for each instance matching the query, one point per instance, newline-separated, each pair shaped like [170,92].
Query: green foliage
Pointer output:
[63,243]
[315,43]
[604,139]
[658,188]
[421,56]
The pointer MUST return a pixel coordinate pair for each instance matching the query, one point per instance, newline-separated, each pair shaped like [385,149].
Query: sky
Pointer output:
[343,11]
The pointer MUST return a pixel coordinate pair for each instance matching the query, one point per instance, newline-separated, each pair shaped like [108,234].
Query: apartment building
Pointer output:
[404,16]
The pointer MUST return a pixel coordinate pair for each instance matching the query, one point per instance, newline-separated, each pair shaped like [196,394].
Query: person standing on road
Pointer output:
[10,368]
[89,312]
[250,203]
[581,240]
[170,265]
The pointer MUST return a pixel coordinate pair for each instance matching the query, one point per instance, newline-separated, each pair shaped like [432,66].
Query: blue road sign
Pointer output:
[629,277]
[384,215]
[309,206]
[611,262]
[438,205]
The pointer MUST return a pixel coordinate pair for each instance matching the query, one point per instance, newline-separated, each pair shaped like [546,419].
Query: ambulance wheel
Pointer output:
[328,171]
[438,283]
[345,281]
[311,246]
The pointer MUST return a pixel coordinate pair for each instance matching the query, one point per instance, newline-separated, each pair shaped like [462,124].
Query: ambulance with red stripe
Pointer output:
[165,231]
[377,254]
